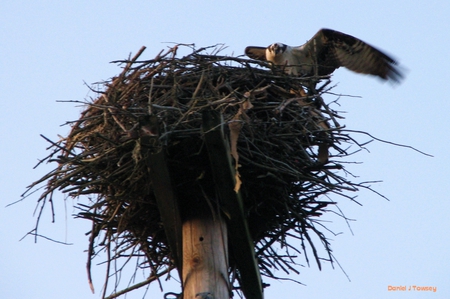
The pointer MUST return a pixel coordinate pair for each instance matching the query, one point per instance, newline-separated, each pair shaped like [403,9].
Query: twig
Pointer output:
[389,142]
[139,285]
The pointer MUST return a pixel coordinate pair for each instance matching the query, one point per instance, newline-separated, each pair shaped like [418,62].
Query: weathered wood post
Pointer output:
[205,258]
[199,243]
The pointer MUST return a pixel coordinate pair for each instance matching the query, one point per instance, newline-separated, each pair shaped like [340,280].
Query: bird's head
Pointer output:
[277,48]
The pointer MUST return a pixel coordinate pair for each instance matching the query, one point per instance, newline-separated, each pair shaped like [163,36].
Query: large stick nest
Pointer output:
[280,146]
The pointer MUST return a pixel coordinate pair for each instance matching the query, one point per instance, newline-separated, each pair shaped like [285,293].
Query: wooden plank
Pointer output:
[162,188]
[224,178]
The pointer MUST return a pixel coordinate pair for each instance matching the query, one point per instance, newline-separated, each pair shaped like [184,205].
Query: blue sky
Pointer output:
[48,49]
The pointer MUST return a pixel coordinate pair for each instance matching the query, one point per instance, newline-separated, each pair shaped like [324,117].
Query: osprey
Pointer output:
[326,51]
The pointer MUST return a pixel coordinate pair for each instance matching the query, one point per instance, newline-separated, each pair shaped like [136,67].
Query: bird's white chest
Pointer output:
[291,62]
[283,58]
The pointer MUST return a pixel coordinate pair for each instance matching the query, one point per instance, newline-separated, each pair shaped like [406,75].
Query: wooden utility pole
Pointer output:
[205,259]
[199,243]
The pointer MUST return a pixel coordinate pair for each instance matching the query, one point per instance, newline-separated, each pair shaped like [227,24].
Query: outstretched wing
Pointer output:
[258,53]
[335,49]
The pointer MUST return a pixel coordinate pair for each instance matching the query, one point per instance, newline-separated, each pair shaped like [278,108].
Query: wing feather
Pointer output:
[356,55]
[258,53]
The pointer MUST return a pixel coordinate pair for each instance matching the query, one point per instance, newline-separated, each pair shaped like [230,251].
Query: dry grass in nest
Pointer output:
[279,134]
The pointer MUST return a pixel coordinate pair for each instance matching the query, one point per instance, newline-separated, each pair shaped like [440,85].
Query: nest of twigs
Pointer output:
[285,147]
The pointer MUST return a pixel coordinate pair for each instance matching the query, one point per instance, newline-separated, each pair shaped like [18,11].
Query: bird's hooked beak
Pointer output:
[277,48]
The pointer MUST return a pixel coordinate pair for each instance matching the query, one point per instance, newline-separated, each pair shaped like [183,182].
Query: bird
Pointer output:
[326,51]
